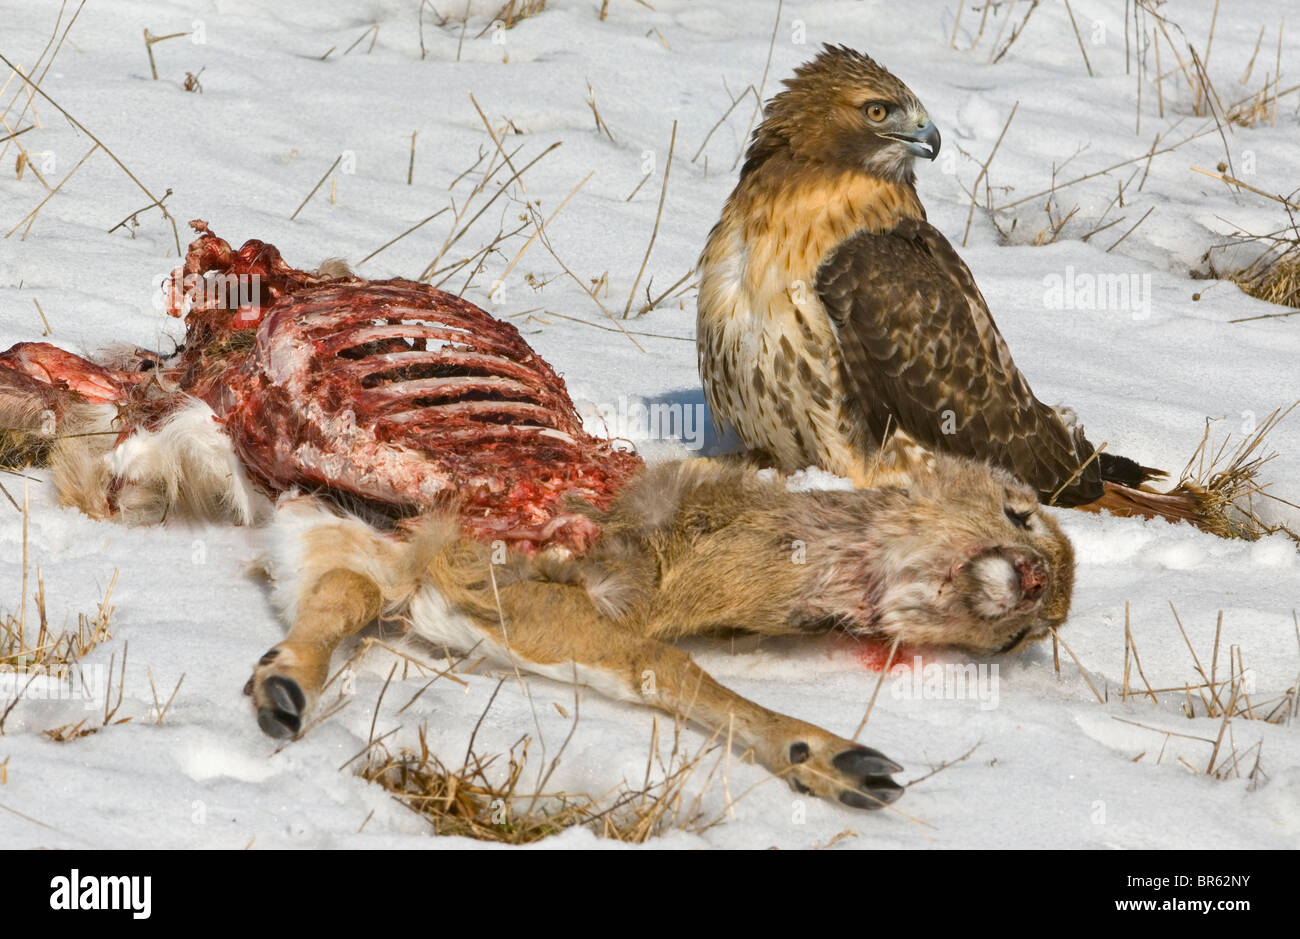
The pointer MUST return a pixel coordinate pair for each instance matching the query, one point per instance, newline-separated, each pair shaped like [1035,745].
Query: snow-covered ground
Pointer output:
[1053,766]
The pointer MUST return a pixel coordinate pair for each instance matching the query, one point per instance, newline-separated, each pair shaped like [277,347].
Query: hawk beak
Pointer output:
[924,142]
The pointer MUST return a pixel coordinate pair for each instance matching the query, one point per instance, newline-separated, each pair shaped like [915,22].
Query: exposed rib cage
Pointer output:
[393,392]
[405,395]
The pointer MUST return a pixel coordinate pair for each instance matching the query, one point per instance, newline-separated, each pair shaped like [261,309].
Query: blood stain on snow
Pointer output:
[873,654]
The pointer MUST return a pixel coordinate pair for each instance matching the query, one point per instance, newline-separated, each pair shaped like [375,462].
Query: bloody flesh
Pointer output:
[393,392]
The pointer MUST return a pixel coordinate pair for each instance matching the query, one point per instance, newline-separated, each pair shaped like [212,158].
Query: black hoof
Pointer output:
[283,716]
[872,794]
[870,770]
[863,762]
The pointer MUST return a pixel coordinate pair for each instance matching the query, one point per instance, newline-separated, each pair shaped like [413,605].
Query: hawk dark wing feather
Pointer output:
[921,353]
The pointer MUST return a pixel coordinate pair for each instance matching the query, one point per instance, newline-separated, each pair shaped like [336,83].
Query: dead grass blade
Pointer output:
[82,127]
[1227,484]
[654,233]
[484,798]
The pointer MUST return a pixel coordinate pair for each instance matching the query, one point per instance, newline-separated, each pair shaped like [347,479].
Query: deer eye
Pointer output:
[876,111]
[1019,519]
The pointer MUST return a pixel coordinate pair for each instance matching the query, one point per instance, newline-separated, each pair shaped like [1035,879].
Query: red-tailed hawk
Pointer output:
[834,319]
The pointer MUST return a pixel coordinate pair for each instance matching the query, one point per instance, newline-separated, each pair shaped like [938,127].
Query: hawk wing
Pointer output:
[921,353]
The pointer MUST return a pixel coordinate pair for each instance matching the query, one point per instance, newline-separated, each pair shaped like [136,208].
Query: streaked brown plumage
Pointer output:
[838,328]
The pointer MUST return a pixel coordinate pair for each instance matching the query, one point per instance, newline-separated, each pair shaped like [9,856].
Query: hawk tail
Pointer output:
[1126,472]
[1096,471]
[1186,502]
[1119,486]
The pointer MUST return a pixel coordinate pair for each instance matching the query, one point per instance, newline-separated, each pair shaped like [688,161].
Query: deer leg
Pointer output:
[555,630]
[332,575]
[289,677]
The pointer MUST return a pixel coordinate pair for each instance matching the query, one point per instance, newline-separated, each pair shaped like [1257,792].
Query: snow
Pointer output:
[1053,766]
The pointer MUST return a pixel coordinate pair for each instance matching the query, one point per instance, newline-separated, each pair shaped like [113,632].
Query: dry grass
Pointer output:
[531,216]
[37,650]
[149,40]
[1227,485]
[509,15]
[478,801]
[1221,688]
[1274,277]
[30,83]
[1149,32]
[1190,66]
[486,798]
[66,733]
[514,12]
[48,651]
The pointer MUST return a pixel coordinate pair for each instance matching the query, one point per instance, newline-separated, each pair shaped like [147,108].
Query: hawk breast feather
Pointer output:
[921,353]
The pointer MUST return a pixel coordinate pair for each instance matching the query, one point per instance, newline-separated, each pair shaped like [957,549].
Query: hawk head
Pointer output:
[845,111]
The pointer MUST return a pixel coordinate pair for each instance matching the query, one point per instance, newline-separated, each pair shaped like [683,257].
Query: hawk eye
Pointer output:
[876,111]
[1019,519]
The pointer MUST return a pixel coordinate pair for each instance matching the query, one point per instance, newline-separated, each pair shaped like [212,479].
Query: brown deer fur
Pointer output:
[960,556]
